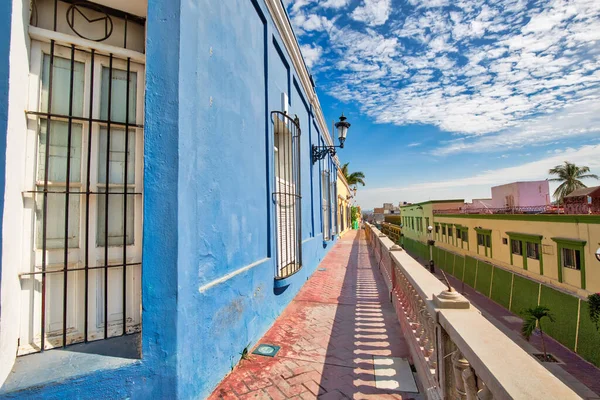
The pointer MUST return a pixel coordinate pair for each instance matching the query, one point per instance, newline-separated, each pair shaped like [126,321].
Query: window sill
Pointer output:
[53,366]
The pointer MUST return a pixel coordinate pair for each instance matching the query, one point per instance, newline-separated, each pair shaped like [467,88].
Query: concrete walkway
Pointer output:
[338,331]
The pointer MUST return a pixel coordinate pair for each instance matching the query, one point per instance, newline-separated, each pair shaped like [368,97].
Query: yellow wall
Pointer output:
[424,210]
[580,227]
[343,191]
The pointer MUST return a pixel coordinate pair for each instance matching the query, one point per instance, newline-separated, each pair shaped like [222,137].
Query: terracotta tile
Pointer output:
[327,334]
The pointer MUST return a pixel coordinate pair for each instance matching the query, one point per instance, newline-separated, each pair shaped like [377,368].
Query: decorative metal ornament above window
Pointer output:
[104,21]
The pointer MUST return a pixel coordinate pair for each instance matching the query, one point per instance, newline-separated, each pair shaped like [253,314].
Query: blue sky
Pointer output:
[450,97]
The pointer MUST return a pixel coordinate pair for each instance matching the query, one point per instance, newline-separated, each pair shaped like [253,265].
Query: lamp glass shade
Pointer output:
[598,254]
[342,132]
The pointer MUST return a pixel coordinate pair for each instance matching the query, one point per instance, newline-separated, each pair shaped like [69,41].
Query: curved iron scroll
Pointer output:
[104,20]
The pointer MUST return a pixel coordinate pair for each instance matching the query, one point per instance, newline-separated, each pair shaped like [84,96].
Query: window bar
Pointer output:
[106,188]
[294,225]
[125,181]
[294,221]
[83,119]
[125,40]
[287,190]
[55,14]
[78,269]
[286,186]
[87,199]
[45,209]
[67,199]
[293,192]
[298,193]
[279,198]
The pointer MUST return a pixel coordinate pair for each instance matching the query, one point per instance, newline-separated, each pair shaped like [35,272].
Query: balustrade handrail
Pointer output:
[541,209]
[457,352]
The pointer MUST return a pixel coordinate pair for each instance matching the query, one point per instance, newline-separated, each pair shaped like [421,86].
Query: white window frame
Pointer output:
[32,257]
[326,202]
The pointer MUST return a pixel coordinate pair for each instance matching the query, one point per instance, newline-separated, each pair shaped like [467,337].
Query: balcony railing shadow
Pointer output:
[365,334]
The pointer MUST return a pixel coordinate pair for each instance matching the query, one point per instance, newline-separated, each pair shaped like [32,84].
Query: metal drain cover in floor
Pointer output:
[322,269]
[267,350]
[394,373]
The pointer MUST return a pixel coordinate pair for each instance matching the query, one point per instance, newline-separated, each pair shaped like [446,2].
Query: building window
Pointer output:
[437,229]
[571,259]
[333,196]
[465,236]
[287,194]
[443,230]
[515,247]
[81,279]
[533,251]
[325,204]
[571,253]
[449,231]
[484,239]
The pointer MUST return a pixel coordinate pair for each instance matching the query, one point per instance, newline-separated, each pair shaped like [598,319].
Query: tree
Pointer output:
[353,178]
[533,319]
[569,175]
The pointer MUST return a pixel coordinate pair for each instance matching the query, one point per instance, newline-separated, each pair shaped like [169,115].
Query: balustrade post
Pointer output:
[460,364]
[470,382]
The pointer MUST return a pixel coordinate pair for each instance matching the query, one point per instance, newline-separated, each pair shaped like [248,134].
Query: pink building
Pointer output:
[521,194]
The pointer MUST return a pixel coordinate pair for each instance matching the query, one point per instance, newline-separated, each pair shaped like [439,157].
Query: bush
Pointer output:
[354,213]
[594,304]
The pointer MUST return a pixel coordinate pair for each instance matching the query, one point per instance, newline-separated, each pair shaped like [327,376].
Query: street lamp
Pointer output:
[319,152]
[430,242]
[598,254]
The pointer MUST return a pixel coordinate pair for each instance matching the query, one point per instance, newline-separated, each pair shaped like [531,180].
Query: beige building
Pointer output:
[558,250]
[555,249]
[344,197]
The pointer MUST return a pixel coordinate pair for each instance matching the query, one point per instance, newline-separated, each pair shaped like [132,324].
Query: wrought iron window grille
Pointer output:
[287,194]
[69,112]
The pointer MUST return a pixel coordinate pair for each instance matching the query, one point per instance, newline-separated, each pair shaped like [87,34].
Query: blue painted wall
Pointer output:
[215,71]
[5,27]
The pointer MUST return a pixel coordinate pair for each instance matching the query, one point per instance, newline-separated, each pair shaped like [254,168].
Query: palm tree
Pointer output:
[533,318]
[353,178]
[570,175]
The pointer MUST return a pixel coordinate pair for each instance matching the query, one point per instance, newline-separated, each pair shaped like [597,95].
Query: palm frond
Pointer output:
[533,317]
[528,327]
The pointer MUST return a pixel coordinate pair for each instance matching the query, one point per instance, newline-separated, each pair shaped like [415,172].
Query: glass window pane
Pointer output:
[57,163]
[115,218]
[55,220]
[117,156]
[119,95]
[61,82]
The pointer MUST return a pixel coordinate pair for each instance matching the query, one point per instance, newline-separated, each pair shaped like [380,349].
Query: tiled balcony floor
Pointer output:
[330,336]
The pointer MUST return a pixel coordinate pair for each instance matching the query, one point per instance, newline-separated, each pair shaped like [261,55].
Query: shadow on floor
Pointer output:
[365,336]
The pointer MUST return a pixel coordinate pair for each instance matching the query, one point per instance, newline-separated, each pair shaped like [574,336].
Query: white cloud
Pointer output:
[335,4]
[579,118]
[373,12]
[479,184]
[310,22]
[485,72]
[415,144]
[311,54]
